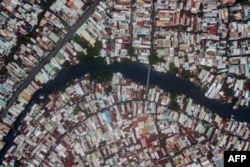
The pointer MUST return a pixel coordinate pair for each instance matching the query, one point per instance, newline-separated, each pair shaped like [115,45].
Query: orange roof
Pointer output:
[70,2]
[25,96]
[144,131]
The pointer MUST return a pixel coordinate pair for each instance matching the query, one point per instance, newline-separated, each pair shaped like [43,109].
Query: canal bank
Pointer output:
[137,73]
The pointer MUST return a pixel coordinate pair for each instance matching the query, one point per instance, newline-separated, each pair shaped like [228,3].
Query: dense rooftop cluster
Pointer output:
[191,35]
[204,41]
[17,18]
[69,10]
[87,126]
[27,57]
[188,36]
[36,47]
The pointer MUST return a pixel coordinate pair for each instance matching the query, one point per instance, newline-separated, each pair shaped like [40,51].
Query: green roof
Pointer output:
[246,70]
[209,132]
[17,70]
[52,65]
[48,68]
[60,55]
[85,51]
[32,129]
[48,127]
[160,52]
[54,37]
[37,117]
[4,14]
[188,108]
[186,66]
[168,165]
[237,144]
[2,102]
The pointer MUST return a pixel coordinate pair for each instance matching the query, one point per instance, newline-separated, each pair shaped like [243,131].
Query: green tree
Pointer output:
[172,67]
[3,71]
[47,3]
[80,56]
[66,64]
[76,110]
[153,58]
[10,57]
[26,38]
[173,105]
[185,74]
[17,163]
[46,114]
[174,94]
[108,90]
[80,41]
[92,55]
[99,60]
[101,76]
[131,50]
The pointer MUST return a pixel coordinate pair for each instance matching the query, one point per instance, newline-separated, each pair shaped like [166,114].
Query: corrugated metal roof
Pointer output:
[48,68]
[2,102]
[54,37]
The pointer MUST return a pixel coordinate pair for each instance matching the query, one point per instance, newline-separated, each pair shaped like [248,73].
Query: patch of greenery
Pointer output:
[26,38]
[185,74]
[131,50]
[174,94]
[99,61]
[172,67]
[173,105]
[108,90]
[17,163]
[3,71]
[76,110]
[47,3]
[80,41]
[101,76]
[87,114]
[154,58]
[92,55]
[46,114]
[66,64]
[80,56]
[94,51]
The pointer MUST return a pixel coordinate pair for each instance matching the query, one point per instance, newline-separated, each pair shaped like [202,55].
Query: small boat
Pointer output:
[41,97]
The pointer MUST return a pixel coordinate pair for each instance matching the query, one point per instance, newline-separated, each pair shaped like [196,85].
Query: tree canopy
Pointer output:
[101,76]
[76,110]
[154,58]
[173,105]
[92,55]
[172,67]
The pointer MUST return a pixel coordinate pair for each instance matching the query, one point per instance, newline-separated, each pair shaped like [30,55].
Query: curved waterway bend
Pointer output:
[137,73]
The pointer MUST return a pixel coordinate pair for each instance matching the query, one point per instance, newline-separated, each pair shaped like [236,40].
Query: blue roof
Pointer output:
[167,112]
[107,116]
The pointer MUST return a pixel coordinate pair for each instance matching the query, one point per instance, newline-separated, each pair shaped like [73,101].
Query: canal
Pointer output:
[137,73]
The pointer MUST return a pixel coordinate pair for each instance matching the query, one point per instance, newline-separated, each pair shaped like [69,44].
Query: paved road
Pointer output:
[58,46]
